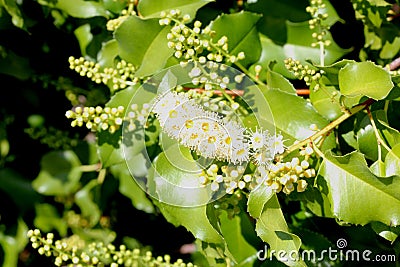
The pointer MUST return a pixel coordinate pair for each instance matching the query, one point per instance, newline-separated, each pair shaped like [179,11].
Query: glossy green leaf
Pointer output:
[392,161]
[326,100]
[367,142]
[277,81]
[143,42]
[109,51]
[257,199]
[12,8]
[390,50]
[130,188]
[357,196]
[47,219]
[272,228]
[15,65]
[240,28]
[294,116]
[174,180]
[242,251]
[153,8]
[390,233]
[18,188]
[84,200]
[366,79]
[80,8]
[13,245]
[84,36]
[59,174]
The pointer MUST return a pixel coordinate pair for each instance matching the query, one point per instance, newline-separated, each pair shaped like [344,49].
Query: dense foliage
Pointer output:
[197,132]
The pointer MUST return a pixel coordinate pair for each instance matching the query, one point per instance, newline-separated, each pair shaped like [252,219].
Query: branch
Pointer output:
[327,129]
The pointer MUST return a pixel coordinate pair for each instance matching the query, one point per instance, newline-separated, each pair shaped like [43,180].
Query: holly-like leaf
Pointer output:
[79,8]
[326,101]
[365,79]
[175,184]
[241,250]
[358,196]
[13,245]
[84,199]
[271,227]
[143,42]
[59,175]
[130,188]
[47,219]
[240,28]
[153,8]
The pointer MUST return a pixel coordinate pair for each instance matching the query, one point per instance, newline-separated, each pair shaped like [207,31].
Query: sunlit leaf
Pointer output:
[153,8]
[240,28]
[84,199]
[59,175]
[357,195]
[143,42]
[366,79]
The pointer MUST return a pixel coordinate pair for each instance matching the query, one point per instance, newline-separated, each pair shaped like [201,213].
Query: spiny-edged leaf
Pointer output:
[390,233]
[84,36]
[80,8]
[59,174]
[326,101]
[271,227]
[47,219]
[366,137]
[390,50]
[242,251]
[358,196]
[12,8]
[143,42]
[13,245]
[277,81]
[153,8]
[84,200]
[316,243]
[240,28]
[109,51]
[366,79]
[175,180]
[257,199]
[194,219]
[130,188]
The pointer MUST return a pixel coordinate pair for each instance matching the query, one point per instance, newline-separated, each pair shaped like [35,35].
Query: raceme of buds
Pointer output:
[121,76]
[74,251]
[196,43]
[316,23]
[303,72]
[97,118]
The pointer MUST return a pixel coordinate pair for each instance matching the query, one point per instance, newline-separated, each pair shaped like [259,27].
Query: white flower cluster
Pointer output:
[210,135]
